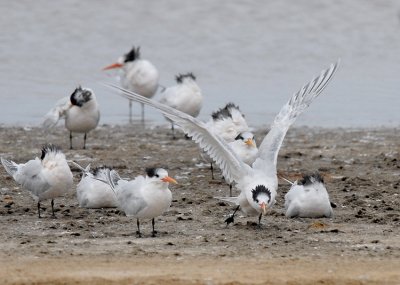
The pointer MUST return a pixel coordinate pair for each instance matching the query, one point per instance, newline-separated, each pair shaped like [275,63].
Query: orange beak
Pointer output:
[250,142]
[112,66]
[169,179]
[263,208]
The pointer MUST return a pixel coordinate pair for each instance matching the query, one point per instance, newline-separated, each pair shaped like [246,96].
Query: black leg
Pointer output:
[153,234]
[70,140]
[231,217]
[130,111]
[259,220]
[143,114]
[230,190]
[84,142]
[212,171]
[38,208]
[138,229]
[52,208]
[173,131]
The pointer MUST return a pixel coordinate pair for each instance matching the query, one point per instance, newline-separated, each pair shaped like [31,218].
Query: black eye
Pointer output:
[256,200]
[157,175]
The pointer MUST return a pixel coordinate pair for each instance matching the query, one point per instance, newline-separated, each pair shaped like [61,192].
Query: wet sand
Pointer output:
[360,245]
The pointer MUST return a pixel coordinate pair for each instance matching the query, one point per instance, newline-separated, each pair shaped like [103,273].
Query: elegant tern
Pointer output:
[138,75]
[47,177]
[80,110]
[185,96]
[308,198]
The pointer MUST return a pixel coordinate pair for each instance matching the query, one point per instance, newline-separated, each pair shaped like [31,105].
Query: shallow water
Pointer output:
[255,54]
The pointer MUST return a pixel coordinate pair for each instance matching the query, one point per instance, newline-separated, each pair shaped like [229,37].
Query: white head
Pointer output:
[159,175]
[131,56]
[81,96]
[247,138]
[261,199]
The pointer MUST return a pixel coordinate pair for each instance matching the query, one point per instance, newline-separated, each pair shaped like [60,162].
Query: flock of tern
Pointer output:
[225,140]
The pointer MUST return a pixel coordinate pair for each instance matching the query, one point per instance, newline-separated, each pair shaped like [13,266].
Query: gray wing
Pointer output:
[57,112]
[30,176]
[233,168]
[298,103]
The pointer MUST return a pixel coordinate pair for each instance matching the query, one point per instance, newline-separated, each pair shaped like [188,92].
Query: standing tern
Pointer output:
[80,110]
[139,75]
[47,177]
[258,183]
[143,197]
[185,96]
[308,198]
[91,192]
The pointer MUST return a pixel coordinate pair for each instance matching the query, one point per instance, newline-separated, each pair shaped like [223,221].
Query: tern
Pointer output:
[144,197]
[80,110]
[139,75]
[47,177]
[185,96]
[308,198]
[227,122]
[91,192]
[258,183]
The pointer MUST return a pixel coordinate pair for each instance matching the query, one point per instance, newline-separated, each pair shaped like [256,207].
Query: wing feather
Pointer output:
[57,112]
[231,165]
[269,148]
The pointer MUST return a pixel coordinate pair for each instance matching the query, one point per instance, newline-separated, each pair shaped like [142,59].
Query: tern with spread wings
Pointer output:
[258,183]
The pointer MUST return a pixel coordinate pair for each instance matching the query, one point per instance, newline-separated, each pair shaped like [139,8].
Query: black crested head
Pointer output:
[179,78]
[80,96]
[133,54]
[95,171]
[49,148]
[224,112]
[310,179]
[260,189]
[152,172]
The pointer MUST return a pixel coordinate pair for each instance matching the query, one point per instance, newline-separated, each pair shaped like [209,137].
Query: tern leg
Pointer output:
[142,114]
[259,220]
[70,140]
[230,190]
[52,208]
[84,142]
[138,229]
[173,131]
[130,111]
[38,207]
[212,170]
[231,217]
[153,234]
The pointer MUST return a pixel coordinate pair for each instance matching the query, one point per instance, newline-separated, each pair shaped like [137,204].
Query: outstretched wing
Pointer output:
[57,112]
[269,148]
[231,165]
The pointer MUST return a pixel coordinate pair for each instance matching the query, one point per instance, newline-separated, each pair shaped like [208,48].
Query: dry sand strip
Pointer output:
[153,270]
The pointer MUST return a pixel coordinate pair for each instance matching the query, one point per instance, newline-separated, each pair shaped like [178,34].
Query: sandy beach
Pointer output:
[359,245]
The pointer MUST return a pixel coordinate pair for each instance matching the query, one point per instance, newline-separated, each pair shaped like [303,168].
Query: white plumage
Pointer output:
[144,197]
[80,111]
[92,193]
[47,177]
[258,183]
[138,75]
[185,96]
[228,122]
[308,199]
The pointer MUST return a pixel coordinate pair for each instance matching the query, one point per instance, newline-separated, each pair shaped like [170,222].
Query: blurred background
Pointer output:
[253,53]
